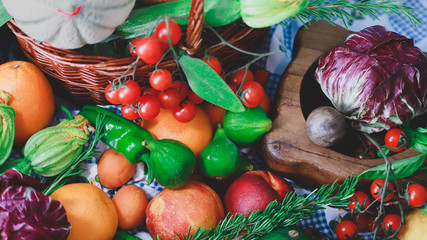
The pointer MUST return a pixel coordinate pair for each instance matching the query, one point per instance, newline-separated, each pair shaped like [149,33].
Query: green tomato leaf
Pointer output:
[401,168]
[206,83]
[4,15]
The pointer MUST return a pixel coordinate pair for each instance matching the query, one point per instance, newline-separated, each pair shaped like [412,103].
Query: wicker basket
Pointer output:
[85,77]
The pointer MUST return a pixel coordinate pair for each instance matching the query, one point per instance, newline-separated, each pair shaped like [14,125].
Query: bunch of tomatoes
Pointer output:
[361,219]
[165,92]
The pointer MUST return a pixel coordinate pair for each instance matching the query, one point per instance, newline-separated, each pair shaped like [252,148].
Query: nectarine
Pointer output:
[254,190]
[176,210]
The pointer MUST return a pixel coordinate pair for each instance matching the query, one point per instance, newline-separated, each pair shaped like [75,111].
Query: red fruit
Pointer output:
[376,191]
[361,199]
[254,190]
[132,46]
[262,76]
[185,111]
[417,195]
[237,77]
[253,93]
[192,96]
[149,106]
[346,229]
[214,64]
[149,50]
[161,79]
[392,222]
[169,98]
[182,89]
[162,32]
[396,140]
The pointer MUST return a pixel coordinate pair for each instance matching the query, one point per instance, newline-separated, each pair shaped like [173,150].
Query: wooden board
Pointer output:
[287,149]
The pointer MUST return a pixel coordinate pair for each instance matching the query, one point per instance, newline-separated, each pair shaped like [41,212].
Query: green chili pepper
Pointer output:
[7,127]
[122,135]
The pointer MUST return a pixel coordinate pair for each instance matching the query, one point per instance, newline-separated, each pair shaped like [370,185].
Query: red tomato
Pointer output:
[346,229]
[214,64]
[149,106]
[237,77]
[253,93]
[169,98]
[376,189]
[361,201]
[150,90]
[396,140]
[129,112]
[233,88]
[129,93]
[192,96]
[262,76]
[363,153]
[363,221]
[161,79]
[185,112]
[162,32]
[417,195]
[392,222]
[132,46]
[182,89]
[112,94]
[149,50]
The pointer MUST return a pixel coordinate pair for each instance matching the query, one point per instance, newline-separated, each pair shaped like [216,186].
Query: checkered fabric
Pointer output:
[279,35]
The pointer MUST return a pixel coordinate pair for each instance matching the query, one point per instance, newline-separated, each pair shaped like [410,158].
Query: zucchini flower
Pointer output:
[7,127]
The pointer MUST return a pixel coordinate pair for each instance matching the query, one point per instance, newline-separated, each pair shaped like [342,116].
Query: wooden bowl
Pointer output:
[287,148]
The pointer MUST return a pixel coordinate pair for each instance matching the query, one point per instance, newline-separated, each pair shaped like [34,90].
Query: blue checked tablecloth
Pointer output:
[281,35]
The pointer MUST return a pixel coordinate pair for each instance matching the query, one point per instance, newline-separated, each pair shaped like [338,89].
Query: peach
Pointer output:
[176,210]
[254,190]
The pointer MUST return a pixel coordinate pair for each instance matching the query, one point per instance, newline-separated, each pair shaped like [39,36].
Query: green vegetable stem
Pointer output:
[53,149]
[7,127]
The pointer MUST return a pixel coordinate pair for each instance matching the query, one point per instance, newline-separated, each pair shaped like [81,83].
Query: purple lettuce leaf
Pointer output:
[377,79]
[26,213]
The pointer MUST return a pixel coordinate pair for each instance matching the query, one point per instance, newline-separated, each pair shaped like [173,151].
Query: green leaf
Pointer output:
[206,83]
[4,15]
[401,168]
[424,211]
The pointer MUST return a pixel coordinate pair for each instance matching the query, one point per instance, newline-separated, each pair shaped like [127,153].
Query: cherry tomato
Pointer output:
[363,153]
[233,88]
[417,195]
[391,223]
[182,89]
[112,94]
[346,229]
[184,112]
[262,76]
[149,50]
[129,93]
[129,112]
[149,106]
[169,98]
[162,32]
[214,64]
[132,46]
[161,79]
[237,77]
[396,140]
[149,90]
[192,96]
[363,221]
[361,201]
[376,189]
[253,93]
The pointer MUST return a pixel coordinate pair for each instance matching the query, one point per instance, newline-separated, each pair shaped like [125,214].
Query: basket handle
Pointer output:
[196,20]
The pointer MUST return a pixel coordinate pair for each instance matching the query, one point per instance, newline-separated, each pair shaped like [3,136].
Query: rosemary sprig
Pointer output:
[343,9]
[75,168]
[289,212]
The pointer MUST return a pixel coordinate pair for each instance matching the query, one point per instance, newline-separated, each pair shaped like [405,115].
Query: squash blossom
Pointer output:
[264,13]
[53,149]
[7,127]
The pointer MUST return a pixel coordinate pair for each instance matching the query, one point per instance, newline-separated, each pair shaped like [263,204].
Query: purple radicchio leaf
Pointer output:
[25,213]
[377,79]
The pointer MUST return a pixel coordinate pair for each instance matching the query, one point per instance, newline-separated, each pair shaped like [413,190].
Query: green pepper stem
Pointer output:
[146,159]
[66,111]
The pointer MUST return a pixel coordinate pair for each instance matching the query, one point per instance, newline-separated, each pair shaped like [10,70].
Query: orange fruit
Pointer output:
[266,104]
[195,134]
[130,202]
[114,170]
[90,211]
[215,113]
[31,97]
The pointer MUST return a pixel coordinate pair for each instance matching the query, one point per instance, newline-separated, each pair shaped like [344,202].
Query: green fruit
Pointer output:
[221,157]
[288,233]
[172,162]
[247,127]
